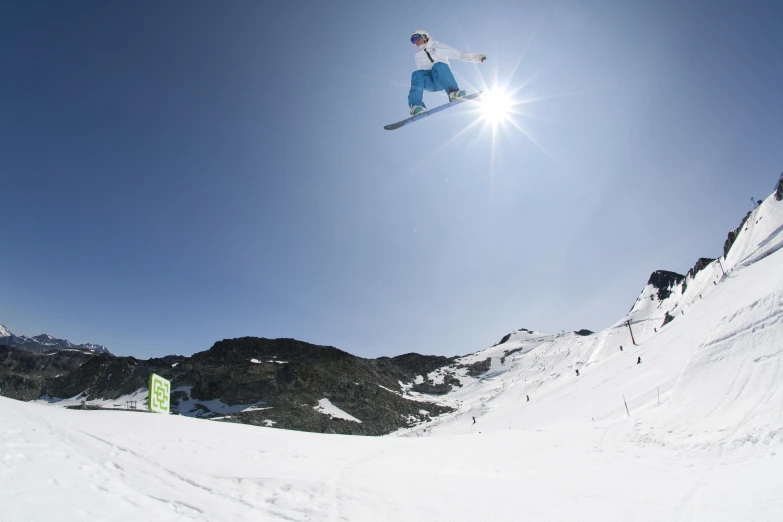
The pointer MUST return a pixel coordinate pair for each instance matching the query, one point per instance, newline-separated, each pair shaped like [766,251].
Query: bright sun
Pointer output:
[495,106]
[498,111]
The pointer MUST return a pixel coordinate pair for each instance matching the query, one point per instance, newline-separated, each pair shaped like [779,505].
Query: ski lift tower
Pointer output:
[628,323]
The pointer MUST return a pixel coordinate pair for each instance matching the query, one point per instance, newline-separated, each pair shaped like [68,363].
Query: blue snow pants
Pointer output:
[437,79]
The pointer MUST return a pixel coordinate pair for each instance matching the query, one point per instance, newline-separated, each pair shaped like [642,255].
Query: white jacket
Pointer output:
[440,52]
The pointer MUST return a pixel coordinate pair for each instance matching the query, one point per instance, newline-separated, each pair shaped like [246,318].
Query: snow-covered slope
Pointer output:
[720,356]
[761,236]
[4,332]
[693,432]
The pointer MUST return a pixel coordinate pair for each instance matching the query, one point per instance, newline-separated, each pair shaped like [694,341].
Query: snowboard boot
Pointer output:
[417,109]
[453,95]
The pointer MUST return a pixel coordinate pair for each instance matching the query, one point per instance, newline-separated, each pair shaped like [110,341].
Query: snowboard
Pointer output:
[430,112]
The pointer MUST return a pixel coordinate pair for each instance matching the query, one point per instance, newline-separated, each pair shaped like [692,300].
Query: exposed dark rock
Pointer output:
[664,281]
[667,319]
[450,379]
[733,235]
[700,265]
[584,332]
[508,336]
[172,359]
[429,387]
[20,386]
[506,353]
[477,368]
[107,377]
[413,364]
[23,374]
[20,360]
[779,191]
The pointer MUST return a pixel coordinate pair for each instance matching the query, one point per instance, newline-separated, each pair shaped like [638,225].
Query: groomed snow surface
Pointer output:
[694,432]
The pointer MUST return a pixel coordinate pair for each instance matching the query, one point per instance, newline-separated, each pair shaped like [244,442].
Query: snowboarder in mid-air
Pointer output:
[434,74]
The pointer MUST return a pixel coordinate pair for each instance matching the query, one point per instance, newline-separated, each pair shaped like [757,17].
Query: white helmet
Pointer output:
[420,32]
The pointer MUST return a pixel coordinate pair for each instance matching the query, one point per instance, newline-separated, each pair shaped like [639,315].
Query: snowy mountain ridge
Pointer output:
[705,355]
[45,343]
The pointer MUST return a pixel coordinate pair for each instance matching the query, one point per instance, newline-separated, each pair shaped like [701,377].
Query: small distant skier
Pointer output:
[434,74]
[474,420]
[639,360]
[621,347]
[577,373]
[528,398]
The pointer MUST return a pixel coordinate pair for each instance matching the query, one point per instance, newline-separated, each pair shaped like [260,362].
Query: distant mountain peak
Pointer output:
[664,281]
[45,343]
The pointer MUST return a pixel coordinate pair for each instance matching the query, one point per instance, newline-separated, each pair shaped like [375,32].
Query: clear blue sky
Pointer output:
[177,173]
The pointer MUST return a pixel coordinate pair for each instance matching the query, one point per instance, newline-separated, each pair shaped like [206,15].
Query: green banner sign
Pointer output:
[159,396]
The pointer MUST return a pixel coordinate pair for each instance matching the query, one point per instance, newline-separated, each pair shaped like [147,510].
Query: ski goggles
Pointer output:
[416,38]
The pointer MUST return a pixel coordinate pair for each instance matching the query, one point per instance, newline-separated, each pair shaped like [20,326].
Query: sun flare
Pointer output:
[495,106]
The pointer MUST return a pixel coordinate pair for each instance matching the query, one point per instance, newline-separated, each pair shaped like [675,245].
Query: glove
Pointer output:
[483,58]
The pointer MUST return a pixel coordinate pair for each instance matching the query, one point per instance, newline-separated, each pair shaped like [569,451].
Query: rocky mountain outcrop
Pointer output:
[504,339]
[733,235]
[700,265]
[23,375]
[479,367]
[283,378]
[413,364]
[664,281]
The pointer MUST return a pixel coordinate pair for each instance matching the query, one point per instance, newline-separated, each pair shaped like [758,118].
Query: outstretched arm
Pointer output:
[450,52]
